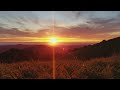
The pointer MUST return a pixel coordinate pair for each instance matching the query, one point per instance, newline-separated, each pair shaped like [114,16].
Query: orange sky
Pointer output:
[69,26]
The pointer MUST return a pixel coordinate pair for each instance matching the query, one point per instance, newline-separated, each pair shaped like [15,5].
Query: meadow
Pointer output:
[99,68]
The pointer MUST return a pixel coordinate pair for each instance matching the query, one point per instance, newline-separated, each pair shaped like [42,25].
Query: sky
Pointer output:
[69,26]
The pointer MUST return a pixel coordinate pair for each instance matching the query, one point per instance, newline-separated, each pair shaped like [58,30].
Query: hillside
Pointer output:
[4,48]
[29,53]
[102,49]
[17,53]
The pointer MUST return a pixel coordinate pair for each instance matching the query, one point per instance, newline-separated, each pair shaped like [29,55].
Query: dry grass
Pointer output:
[103,68]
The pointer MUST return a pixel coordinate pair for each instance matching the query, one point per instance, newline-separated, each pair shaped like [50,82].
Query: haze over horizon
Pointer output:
[71,26]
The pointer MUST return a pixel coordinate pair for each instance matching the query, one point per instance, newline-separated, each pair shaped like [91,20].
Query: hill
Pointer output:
[4,48]
[29,53]
[102,49]
[18,53]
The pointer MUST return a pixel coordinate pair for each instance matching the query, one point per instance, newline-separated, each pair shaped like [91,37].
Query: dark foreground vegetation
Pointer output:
[102,68]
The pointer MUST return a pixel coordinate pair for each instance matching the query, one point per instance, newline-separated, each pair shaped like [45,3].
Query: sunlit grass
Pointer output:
[103,68]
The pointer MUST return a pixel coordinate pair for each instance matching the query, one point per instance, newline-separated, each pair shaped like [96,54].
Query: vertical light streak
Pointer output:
[53,50]
[54,68]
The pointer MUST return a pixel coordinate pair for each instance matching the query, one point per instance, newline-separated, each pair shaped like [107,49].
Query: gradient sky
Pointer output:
[74,26]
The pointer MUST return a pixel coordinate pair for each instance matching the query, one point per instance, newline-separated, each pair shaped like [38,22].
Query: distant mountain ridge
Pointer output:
[32,52]
[17,53]
[28,53]
[4,48]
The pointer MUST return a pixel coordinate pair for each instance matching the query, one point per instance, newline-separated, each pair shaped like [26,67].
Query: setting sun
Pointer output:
[53,40]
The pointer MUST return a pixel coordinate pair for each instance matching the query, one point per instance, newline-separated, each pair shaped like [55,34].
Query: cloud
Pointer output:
[69,32]
[102,21]
[13,31]
[85,32]
[104,25]
[80,14]
[82,24]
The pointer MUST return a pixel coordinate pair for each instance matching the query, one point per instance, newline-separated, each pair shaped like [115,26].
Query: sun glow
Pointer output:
[53,41]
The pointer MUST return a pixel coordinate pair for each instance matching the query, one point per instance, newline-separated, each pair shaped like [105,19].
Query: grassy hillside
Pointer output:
[98,50]
[103,68]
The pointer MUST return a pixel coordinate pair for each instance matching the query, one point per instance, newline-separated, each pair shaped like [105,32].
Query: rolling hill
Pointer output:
[102,49]
[33,52]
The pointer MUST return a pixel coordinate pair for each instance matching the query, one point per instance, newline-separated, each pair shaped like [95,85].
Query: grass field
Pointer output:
[102,68]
